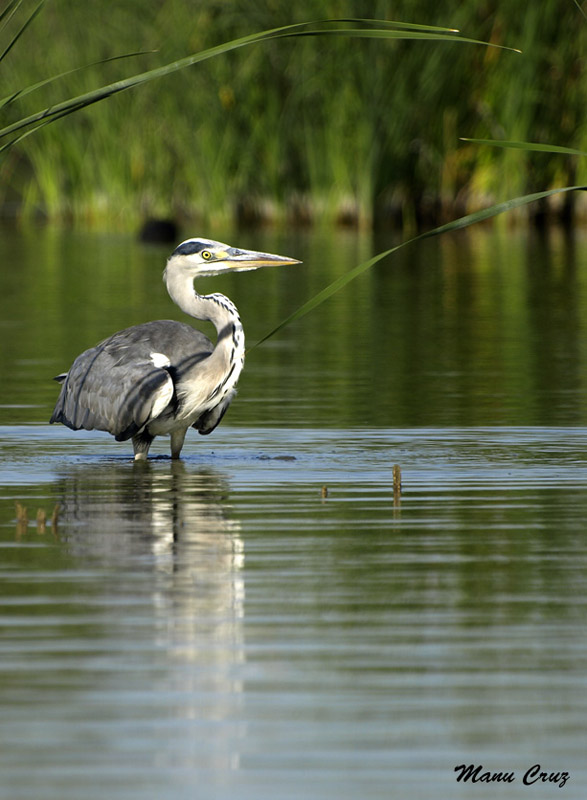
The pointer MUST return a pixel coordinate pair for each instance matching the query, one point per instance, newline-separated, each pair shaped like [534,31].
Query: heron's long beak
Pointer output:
[240,260]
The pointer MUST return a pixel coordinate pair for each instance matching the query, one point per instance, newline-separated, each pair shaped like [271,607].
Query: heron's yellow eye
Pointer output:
[206,255]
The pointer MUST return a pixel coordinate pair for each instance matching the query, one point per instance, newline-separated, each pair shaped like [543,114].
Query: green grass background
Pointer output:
[317,130]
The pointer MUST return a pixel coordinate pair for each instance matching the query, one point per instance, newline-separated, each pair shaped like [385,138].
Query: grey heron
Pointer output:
[163,377]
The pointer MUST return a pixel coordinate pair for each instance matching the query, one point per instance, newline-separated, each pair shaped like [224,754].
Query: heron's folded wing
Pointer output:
[105,392]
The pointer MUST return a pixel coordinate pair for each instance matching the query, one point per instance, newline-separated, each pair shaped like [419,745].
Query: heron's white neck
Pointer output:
[215,308]
[224,365]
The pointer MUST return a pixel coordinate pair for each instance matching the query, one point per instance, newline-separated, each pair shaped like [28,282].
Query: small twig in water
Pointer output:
[41,520]
[397,483]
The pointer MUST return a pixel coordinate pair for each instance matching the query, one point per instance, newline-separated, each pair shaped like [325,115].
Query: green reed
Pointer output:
[320,129]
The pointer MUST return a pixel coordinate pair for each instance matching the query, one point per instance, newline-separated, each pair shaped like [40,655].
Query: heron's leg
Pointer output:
[141,443]
[177,439]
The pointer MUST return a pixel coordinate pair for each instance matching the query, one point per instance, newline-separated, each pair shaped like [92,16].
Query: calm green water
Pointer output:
[217,628]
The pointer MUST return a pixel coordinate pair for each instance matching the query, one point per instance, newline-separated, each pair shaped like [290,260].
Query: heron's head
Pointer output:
[204,257]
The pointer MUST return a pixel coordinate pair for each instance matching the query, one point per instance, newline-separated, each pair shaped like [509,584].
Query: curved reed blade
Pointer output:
[387,33]
[455,225]
[11,9]
[386,23]
[33,87]
[529,146]
[374,29]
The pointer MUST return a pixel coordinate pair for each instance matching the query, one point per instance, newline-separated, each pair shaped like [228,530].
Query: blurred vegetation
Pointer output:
[307,130]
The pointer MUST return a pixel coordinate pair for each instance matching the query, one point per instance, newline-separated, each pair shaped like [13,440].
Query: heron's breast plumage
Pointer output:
[212,380]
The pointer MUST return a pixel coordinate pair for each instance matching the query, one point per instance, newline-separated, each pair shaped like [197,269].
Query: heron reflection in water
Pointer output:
[163,377]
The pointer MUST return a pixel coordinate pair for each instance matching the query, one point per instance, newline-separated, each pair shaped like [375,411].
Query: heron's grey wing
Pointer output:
[103,393]
[128,380]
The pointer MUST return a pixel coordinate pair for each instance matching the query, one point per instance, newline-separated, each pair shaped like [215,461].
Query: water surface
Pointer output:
[268,618]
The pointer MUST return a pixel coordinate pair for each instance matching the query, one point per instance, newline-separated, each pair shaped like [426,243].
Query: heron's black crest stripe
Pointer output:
[190,248]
